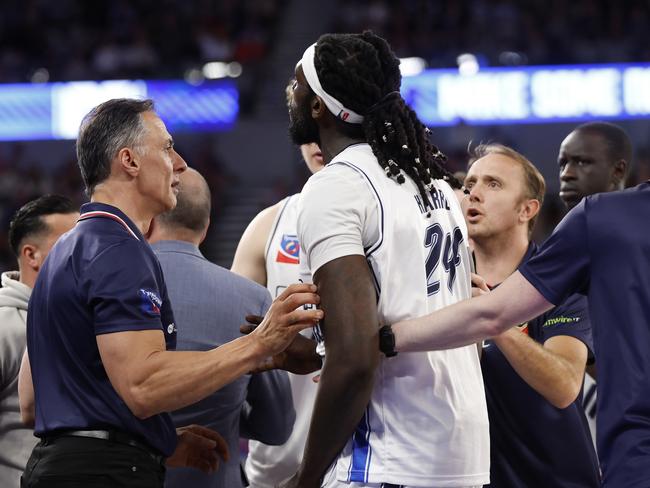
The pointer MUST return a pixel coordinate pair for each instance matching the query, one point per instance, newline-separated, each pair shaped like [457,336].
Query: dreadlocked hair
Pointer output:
[362,72]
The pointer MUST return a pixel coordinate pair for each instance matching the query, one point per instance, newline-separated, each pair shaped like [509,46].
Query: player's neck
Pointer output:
[333,142]
[497,257]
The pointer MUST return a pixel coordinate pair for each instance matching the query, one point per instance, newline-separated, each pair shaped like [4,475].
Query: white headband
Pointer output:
[332,104]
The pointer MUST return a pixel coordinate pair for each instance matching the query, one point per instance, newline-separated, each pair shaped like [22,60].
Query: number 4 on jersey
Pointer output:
[450,257]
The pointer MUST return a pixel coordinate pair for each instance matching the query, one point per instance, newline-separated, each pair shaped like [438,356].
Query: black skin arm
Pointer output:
[351,335]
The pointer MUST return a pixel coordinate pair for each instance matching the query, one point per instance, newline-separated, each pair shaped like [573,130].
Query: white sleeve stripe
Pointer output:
[371,249]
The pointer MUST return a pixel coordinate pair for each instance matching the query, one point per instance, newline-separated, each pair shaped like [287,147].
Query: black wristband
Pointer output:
[387,341]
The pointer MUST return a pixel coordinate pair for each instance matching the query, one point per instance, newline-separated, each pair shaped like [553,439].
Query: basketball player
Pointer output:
[269,253]
[384,238]
[594,158]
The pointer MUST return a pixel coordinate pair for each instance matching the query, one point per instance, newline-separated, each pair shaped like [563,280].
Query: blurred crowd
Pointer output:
[506,32]
[106,39]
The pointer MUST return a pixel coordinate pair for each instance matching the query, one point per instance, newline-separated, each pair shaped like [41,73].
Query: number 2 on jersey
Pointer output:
[450,257]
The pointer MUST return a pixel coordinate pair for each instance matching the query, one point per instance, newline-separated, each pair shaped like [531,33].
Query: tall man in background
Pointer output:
[33,231]
[594,158]
[269,253]
[209,305]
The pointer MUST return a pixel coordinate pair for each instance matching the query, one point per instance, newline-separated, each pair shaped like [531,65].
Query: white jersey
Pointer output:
[427,423]
[267,466]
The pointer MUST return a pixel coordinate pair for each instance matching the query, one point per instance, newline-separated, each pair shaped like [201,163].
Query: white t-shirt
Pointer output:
[426,424]
[267,466]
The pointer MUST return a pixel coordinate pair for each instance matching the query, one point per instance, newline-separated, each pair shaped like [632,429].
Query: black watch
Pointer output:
[387,341]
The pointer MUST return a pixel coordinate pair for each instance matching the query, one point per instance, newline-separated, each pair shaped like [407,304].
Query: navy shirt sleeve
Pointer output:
[571,318]
[562,265]
[167,314]
[124,290]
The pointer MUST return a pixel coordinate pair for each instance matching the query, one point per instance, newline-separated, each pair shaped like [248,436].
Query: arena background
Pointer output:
[254,45]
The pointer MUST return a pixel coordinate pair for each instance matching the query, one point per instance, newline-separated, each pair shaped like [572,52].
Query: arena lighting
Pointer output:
[42,111]
[412,66]
[532,94]
[467,64]
[41,75]
[218,69]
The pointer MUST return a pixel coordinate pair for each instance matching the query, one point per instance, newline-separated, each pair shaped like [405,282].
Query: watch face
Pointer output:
[387,341]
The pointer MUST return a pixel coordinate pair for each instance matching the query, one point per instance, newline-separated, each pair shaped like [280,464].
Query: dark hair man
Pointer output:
[33,230]
[594,158]
[209,303]
[383,237]
[532,373]
[101,332]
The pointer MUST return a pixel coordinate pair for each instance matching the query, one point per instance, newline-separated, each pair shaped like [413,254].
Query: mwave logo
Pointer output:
[151,302]
[289,251]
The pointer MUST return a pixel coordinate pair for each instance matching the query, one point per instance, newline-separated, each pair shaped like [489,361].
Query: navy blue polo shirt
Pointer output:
[602,249]
[533,443]
[99,278]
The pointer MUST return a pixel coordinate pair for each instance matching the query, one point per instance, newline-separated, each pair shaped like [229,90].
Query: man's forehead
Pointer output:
[582,141]
[153,121]
[492,164]
[299,74]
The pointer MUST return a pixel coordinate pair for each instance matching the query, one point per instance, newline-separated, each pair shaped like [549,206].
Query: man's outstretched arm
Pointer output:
[515,301]
[350,329]
[151,379]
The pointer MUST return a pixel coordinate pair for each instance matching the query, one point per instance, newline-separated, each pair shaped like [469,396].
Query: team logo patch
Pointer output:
[150,302]
[289,251]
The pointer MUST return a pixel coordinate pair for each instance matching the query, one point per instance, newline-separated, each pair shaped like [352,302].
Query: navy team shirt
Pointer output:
[602,249]
[99,278]
[533,443]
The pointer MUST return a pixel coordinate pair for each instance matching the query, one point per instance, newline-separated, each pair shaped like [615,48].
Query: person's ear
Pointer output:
[318,107]
[31,256]
[128,161]
[529,209]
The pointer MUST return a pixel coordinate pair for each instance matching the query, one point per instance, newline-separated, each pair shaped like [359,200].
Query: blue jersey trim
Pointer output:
[361,451]
[375,280]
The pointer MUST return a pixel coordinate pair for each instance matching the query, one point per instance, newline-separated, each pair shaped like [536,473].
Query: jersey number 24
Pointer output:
[442,248]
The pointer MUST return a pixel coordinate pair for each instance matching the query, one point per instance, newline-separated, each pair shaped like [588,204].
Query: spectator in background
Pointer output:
[34,229]
[210,304]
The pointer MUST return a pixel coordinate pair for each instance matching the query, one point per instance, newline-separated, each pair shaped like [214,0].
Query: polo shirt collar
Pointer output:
[104,210]
[177,246]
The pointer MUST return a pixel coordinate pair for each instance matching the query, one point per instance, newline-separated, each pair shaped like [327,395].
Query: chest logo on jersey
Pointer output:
[289,251]
[150,302]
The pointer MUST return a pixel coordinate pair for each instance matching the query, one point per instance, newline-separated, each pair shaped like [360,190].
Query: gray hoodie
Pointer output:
[16,441]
